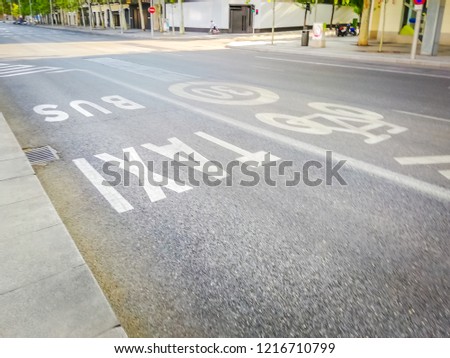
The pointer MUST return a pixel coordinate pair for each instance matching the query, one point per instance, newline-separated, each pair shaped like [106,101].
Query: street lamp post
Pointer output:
[273,20]
[31,13]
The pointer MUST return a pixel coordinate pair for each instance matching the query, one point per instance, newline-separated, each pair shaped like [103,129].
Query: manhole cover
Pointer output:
[41,155]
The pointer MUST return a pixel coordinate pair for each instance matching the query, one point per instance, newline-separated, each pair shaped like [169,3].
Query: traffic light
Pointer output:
[308,7]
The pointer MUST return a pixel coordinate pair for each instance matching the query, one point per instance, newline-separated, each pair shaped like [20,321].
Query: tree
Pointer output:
[363,39]
[141,14]
[15,10]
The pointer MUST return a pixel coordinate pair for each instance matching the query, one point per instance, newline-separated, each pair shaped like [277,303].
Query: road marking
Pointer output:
[141,70]
[63,71]
[445,173]
[247,156]
[427,160]
[422,115]
[12,68]
[20,72]
[177,150]
[154,192]
[224,93]
[435,159]
[340,118]
[404,181]
[117,201]
[267,68]
[354,67]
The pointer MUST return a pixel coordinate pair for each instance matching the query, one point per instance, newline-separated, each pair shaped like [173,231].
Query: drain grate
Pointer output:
[41,155]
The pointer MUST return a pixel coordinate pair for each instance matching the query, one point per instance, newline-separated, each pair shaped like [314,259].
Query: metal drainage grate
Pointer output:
[41,155]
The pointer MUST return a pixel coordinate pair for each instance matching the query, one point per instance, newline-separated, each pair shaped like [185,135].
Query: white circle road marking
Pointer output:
[224,93]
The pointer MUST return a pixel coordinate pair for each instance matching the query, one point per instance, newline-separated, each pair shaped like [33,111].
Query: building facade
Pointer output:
[398,19]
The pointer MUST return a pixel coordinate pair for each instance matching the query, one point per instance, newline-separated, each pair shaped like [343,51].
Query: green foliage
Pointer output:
[15,10]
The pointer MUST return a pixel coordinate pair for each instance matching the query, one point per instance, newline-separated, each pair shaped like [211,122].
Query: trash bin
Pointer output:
[305,38]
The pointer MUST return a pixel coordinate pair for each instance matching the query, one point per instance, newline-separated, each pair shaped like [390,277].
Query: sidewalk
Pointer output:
[345,48]
[289,43]
[46,288]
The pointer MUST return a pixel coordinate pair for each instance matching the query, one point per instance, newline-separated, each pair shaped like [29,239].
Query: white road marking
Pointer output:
[224,93]
[30,71]
[142,70]
[404,181]
[246,155]
[422,115]
[117,201]
[18,68]
[435,159]
[354,67]
[269,69]
[63,71]
[178,150]
[340,118]
[154,192]
[445,173]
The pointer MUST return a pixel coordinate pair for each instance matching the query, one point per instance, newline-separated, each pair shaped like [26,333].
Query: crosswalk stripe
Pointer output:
[30,71]
[10,69]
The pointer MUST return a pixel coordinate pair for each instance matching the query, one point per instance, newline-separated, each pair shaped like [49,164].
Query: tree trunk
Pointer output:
[332,15]
[141,14]
[363,39]
[82,13]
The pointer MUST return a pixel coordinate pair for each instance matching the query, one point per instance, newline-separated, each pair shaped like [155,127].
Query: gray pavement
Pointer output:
[46,288]
[365,259]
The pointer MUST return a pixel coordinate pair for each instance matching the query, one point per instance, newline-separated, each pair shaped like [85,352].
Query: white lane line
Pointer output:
[422,115]
[63,71]
[405,181]
[354,67]
[435,159]
[117,201]
[445,173]
[268,68]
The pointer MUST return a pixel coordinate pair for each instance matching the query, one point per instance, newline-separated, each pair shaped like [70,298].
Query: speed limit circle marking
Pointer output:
[224,93]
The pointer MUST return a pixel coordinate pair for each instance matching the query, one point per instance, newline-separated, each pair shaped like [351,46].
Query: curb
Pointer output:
[360,58]
[46,288]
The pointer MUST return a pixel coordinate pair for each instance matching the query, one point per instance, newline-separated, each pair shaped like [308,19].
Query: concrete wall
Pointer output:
[199,13]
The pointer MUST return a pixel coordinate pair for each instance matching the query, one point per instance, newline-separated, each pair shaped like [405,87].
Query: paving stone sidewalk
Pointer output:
[46,288]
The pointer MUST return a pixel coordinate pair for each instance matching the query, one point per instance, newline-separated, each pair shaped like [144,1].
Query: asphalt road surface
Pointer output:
[358,250]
